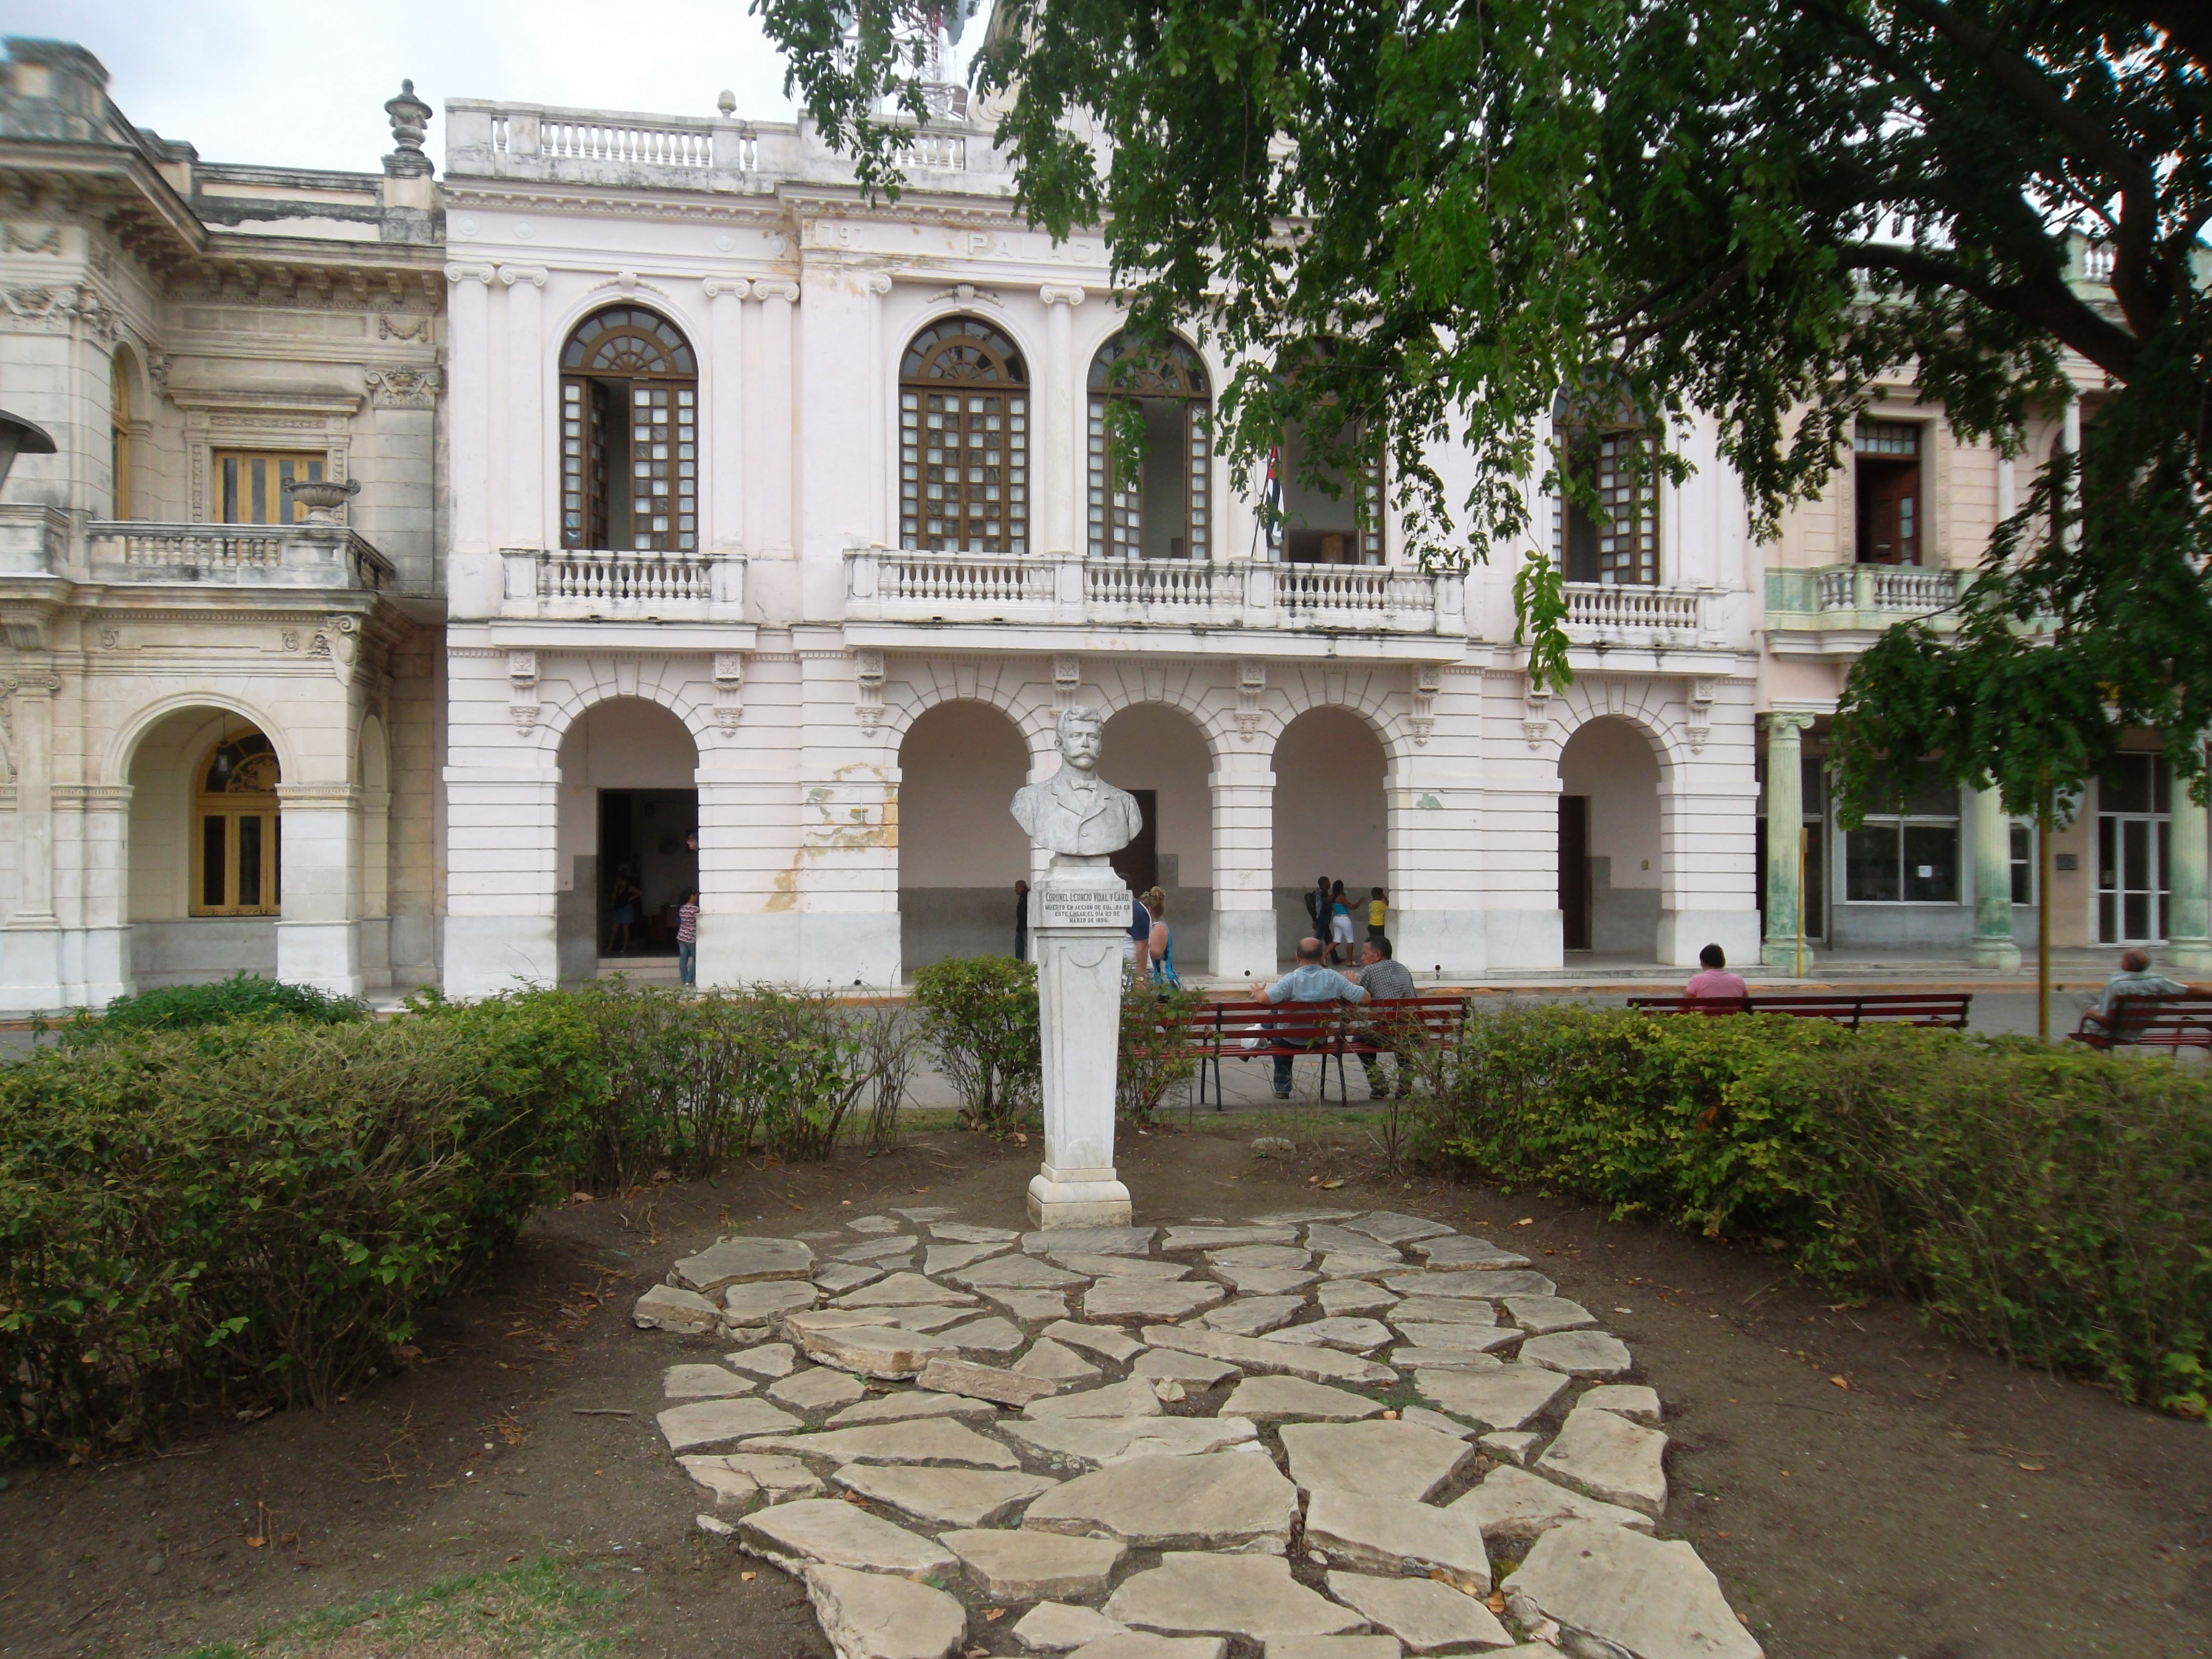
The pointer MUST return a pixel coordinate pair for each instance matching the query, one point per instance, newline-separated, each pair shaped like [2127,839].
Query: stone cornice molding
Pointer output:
[319,794]
[619,205]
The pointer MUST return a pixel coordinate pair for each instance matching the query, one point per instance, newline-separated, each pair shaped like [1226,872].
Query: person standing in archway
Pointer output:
[1317,907]
[1021,921]
[1340,924]
[687,939]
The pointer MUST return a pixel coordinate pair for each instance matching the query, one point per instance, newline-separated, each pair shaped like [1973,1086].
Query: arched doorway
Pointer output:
[1610,875]
[963,440]
[628,847]
[960,851]
[1161,510]
[1329,815]
[630,434]
[1157,754]
[205,876]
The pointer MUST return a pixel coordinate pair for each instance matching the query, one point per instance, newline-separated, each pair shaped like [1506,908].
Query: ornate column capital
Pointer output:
[533,274]
[1787,724]
[457,274]
[775,288]
[1055,294]
[877,283]
[716,287]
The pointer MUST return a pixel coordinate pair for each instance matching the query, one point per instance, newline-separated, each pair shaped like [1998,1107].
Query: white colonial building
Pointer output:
[712,524]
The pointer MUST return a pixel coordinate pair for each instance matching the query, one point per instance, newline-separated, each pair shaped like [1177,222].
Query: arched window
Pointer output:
[963,440]
[118,436]
[1609,448]
[630,434]
[237,836]
[1160,511]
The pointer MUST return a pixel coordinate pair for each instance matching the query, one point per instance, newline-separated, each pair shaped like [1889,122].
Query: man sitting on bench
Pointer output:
[2134,979]
[1307,983]
[1713,981]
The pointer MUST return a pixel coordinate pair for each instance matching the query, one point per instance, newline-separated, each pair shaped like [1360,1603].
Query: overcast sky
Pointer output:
[302,83]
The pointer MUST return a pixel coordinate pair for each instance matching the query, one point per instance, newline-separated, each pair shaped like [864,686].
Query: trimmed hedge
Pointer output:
[978,1016]
[189,1008]
[251,1213]
[2052,1205]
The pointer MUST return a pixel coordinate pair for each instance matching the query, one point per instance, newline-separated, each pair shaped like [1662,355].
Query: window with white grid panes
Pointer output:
[1162,511]
[963,440]
[629,435]
[1617,545]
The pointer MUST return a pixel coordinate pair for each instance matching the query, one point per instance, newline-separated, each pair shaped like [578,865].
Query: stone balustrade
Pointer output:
[325,555]
[605,584]
[889,584]
[1862,598]
[1634,615]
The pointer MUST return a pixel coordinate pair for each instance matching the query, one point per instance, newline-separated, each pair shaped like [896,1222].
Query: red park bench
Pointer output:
[1262,1030]
[1848,1009]
[2170,1023]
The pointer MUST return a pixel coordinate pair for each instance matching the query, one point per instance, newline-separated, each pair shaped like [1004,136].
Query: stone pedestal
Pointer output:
[1079,916]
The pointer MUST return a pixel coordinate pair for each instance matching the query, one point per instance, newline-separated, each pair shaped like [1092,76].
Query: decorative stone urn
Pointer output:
[323,498]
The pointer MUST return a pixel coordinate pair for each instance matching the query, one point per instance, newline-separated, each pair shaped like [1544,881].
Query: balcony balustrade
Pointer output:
[1630,615]
[321,556]
[1861,597]
[606,585]
[888,585]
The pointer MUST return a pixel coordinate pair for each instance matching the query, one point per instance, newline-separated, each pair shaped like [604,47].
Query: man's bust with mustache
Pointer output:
[1075,810]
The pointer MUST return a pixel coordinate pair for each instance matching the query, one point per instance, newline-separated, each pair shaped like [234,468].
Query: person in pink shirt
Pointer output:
[1714,980]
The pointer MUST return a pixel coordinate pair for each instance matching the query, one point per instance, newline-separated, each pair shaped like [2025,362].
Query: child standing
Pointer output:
[687,939]
[1378,911]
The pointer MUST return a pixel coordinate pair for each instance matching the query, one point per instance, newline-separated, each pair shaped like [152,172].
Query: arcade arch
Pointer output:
[629,813]
[1157,753]
[1330,817]
[1610,867]
[960,851]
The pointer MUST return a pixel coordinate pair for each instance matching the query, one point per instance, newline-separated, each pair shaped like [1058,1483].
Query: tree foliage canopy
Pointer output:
[1428,221]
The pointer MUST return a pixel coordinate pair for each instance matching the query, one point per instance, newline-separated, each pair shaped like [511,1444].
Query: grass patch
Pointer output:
[538,1610]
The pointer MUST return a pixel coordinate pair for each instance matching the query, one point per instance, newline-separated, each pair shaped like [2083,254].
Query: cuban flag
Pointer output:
[1272,501]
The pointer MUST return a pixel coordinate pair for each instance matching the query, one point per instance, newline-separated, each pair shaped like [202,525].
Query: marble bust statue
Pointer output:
[1075,810]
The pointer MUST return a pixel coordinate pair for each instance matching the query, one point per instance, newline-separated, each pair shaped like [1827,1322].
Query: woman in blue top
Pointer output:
[1163,940]
[1340,924]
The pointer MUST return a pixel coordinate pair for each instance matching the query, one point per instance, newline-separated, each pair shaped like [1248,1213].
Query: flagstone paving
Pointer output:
[1222,1446]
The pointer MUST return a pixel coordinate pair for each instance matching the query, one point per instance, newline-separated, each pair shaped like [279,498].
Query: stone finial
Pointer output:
[410,126]
[728,103]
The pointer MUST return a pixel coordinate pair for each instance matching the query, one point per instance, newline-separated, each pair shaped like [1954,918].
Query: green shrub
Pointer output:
[189,1007]
[254,1210]
[1154,1053]
[2053,1206]
[978,1015]
[695,1081]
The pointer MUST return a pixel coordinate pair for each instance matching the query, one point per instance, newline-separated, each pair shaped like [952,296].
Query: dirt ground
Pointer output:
[1930,1504]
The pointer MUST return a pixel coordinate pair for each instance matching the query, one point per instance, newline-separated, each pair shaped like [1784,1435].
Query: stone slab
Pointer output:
[1301,1217]
[769,1360]
[1016,1272]
[1472,1339]
[1509,1397]
[1366,1532]
[1339,1647]
[1356,1264]
[1436,1420]
[1426,1616]
[1512,1506]
[1179,1239]
[1456,1251]
[1411,1358]
[847,1319]
[945,1258]
[1261,1256]
[741,1479]
[919,1440]
[904,1290]
[1048,1361]
[1114,1299]
[1264,1281]
[742,1261]
[666,1308]
[830,1532]
[1271,1399]
[842,1276]
[919,1214]
[1145,1644]
[869,1615]
[1092,1443]
[1578,1353]
[872,1226]
[960,1232]
[1389,1227]
[1253,1316]
[716,1422]
[1134,1397]
[990,1335]
[1282,1359]
[1444,1311]
[703,1382]
[880,1250]
[1103,1340]
[1380,1459]
[1222,1500]
[817,1389]
[732,1489]
[871,1349]
[1250,1597]
[1646,1598]
[944,1497]
[1031,1566]
[989,1383]
[1193,1370]
[909,1403]
[1030,1307]
[1326,1238]
[1515,1446]
[1611,1459]
[1510,1281]
[1350,1334]
[1346,1298]
[1101,1240]
[1056,1627]
[1540,1316]
[759,1301]
[1119,1267]
[1632,1401]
